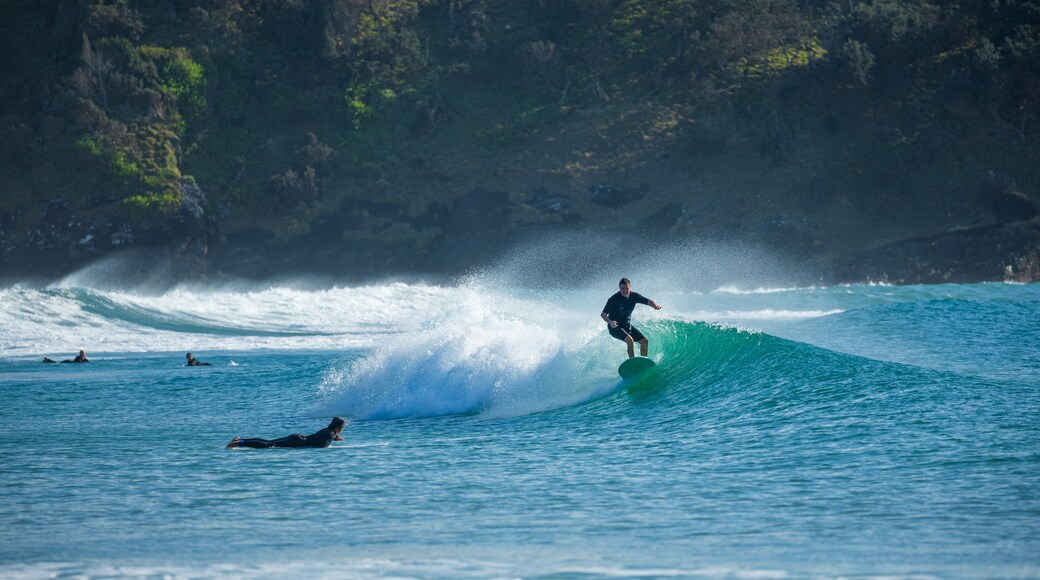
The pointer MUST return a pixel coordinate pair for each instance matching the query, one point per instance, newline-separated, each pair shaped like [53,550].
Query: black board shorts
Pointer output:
[622,331]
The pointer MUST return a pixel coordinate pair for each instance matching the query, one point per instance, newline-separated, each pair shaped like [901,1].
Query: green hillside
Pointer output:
[863,140]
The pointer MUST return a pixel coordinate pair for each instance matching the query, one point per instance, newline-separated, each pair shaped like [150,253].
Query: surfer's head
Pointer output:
[337,424]
[625,286]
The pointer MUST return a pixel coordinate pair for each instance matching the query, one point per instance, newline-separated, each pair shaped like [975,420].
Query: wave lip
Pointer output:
[729,289]
[762,314]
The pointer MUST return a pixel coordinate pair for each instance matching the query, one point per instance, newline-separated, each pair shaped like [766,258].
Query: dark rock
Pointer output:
[546,203]
[551,205]
[192,199]
[57,243]
[1008,253]
[1011,206]
[665,218]
[87,244]
[53,229]
[7,226]
[436,215]
[122,237]
[244,263]
[252,238]
[189,257]
[793,237]
[608,196]
[473,228]
[243,254]
[58,236]
[480,209]
[358,215]
[97,199]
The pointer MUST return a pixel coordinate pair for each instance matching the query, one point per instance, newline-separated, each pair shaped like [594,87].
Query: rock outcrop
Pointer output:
[997,252]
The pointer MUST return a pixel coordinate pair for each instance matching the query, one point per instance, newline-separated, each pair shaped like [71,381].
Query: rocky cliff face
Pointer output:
[449,238]
[61,244]
[1005,251]
[994,253]
[65,239]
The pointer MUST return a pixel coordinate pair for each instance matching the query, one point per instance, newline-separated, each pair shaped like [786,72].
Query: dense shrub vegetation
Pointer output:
[281,110]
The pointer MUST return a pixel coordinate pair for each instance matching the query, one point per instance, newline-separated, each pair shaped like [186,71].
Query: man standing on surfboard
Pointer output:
[618,316]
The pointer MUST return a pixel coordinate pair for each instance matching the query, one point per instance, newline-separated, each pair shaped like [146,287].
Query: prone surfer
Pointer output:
[618,316]
[322,438]
[194,362]
[80,358]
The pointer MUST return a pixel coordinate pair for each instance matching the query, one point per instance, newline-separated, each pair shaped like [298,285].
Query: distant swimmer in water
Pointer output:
[618,316]
[81,357]
[322,438]
[194,362]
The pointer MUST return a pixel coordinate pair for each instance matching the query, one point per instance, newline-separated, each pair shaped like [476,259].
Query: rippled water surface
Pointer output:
[819,432]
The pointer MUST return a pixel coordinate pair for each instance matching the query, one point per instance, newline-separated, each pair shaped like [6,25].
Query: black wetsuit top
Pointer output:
[620,308]
[322,438]
[195,363]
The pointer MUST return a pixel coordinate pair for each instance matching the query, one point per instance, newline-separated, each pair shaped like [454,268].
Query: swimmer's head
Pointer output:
[337,424]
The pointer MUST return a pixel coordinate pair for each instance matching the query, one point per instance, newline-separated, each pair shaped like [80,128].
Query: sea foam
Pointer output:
[488,353]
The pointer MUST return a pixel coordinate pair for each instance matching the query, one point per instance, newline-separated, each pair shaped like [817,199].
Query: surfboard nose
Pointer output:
[634,366]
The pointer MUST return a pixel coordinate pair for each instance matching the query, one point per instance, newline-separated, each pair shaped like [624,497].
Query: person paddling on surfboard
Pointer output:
[194,362]
[80,358]
[618,316]
[322,438]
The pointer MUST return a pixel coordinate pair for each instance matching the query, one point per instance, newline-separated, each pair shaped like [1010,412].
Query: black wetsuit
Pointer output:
[195,363]
[78,359]
[619,308]
[322,438]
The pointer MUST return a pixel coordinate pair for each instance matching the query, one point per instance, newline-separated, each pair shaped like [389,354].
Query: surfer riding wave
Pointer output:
[618,315]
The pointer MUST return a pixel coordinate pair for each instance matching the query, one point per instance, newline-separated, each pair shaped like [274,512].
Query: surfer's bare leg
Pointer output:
[643,345]
[631,346]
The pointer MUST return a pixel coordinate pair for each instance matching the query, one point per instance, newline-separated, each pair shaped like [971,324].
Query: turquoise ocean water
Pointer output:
[859,431]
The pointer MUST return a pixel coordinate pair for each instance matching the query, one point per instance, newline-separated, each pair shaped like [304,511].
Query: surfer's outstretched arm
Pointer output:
[653,305]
